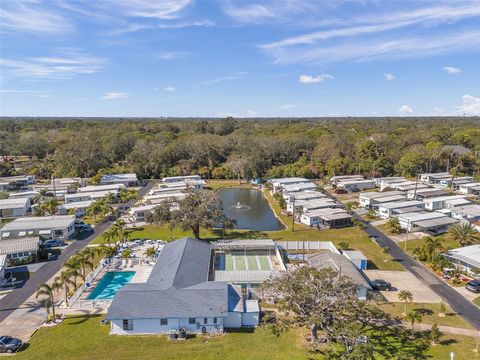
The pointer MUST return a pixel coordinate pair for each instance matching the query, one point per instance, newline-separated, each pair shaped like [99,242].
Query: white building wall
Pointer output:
[234,320]
[250,319]
[153,326]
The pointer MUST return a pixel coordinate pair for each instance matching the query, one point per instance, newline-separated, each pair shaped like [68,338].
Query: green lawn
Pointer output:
[429,314]
[217,184]
[477,301]
[82,337]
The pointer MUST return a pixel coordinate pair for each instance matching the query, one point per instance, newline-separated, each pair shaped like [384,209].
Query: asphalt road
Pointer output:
[469,311]
[17,297]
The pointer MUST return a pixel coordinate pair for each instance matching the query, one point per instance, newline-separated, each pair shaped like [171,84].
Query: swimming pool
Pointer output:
[110,284]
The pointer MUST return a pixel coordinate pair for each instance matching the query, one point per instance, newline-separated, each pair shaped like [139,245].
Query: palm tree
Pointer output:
[110,235]
[350,206]
[51,205]
[126,253]
[64,281]
[94,209]
[464,233]
[73,266]
[119,231]
[85,262]
[46,290]
[42,195]
[413,317]
[393,226]
[100,208]
[405,296]
[107,251]
[150,253]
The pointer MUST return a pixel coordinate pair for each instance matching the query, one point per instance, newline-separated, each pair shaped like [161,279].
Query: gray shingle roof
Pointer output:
[13,246]
[177,287]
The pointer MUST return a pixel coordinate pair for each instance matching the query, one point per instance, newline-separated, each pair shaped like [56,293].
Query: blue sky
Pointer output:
[241,58]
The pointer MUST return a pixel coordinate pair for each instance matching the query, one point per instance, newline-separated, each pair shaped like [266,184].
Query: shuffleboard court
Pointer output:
[240,263]
[228,262]
[264,263]
[252,262]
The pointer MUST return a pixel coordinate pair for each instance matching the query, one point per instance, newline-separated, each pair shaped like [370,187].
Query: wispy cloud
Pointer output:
[31,16]
[309,79]
[405,110]
[164,9]
[169,88]
[37,93]
[66,66]
[172,55]
[235,76]
[114,96]
[452,70]
[134,27]
[470,105]
[249,12]
[389,77]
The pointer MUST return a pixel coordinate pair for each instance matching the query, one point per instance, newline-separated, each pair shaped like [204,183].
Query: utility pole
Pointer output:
[416,185]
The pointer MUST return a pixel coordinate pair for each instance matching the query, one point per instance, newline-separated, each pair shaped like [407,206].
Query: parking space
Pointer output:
[404,280]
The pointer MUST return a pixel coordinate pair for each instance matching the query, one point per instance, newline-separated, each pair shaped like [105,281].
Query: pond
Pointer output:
[250,208]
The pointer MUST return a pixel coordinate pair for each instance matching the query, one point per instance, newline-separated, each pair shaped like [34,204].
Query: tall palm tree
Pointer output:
[109,235]
[413,317]
[464,233]
[150,253]
[107,251]
[386,252]
[350,206]
[46,290]
[42,195]
[73,266]
[51,205]
[432,246]
[85,262]
[405,296]
[64,281]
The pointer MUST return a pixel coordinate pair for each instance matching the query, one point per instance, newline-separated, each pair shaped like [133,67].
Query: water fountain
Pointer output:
[239,207]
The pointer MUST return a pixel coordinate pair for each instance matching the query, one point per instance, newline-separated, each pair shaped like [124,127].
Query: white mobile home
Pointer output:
[386,210]
[469,212]
[469,188]
[310,186]
[326,218]
[353,185]
[48,227]
[309,205]
[455,182]
[410,185]
[19,249]
[138,213]
[303,195]
[174,179]
[437,203]
[431,177]
[114,188]
[430,222]
[17,182]
[420,194]
[391,183]
[379,180]
[467,257]
[278,184]
[80,208]
[157,199]
[334,180]
[14,207]
[88,196]
[124,179]
[366,198]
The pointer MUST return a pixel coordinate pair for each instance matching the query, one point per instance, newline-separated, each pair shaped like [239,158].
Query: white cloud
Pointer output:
[114,95]
[169,88]
[26,92]
[172,55]
[470,106]
[66,66]
[309,79]
[236,76]
[164,9]
[140,27]
[405,110]
[249,13]
[30,16]
[452,70]
[389,77]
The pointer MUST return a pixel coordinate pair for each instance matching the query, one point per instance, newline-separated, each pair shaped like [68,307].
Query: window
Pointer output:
[215,320]
[191,320]
[163,321]
[205,320]
[127,324]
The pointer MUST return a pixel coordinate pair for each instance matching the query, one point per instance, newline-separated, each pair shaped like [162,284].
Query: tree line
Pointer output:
[230,148]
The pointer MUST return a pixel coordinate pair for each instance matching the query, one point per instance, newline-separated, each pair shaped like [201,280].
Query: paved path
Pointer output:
[445,329]
[469,311]
[15,299]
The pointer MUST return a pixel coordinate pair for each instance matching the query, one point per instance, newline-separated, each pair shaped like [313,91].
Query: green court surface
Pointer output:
[240,262]
[252,262]
[228,262]
[264,263]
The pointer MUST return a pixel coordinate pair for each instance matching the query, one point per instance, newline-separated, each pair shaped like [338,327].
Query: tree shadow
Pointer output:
[448,342]
[423,311]
[79,319]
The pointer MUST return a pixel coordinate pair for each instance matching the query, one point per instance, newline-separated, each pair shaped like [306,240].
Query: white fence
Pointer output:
[91,304]
[89,278]
[308,245]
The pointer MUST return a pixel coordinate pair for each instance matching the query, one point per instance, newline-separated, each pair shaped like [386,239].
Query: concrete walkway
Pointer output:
[445,329]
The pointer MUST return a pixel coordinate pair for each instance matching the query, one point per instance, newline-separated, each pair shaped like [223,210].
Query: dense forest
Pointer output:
[250,148]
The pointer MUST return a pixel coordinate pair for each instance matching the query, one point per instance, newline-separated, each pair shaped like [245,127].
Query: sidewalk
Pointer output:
[446,329]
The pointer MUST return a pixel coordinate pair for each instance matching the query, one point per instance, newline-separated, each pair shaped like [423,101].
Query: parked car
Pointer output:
[9,344]
[84,227]
[53,243]
[473,286]
[340,191]
[379,284]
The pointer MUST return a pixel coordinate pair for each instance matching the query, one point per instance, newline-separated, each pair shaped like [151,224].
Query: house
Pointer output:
[467,257]
[4,186]
[356,185]
[469,212]
[88,196]
[365,198]
[17,182]
[279,184]
[436,203]
[157,199]
[173,179]
[114,188]
[303,195]
[138,213]
[386,210]
[431,177]
[433,223]
[21,249]
[79,207]
[357,258]
[47,227]
[344,266]
[375,203]
[456,149]
[410,185]
[378,181]
[14,207]
[179,295]
[419,194]
[326,218]
[450,203]
[454,183]
[334,180]
[310,205]
[291,188]
[124,179]
[190,184]
[469,188]
[390,184]
[23,194]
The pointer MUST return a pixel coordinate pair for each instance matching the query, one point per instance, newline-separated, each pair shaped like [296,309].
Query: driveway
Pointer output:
[404,280]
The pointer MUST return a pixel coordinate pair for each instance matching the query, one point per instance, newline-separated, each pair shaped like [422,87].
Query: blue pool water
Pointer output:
[110,284]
